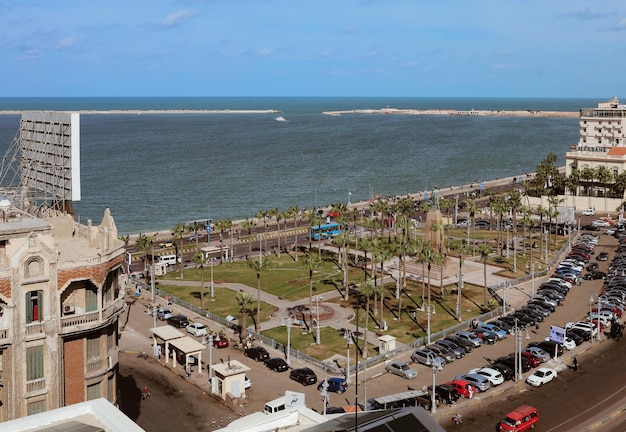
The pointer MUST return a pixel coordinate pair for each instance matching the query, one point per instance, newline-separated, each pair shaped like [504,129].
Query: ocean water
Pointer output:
[156,170]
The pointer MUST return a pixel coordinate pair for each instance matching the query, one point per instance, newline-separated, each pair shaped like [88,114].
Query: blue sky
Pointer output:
[416,48]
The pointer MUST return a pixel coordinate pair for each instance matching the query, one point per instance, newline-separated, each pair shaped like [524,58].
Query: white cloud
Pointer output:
[326,53]
[265,51]
[29,55]
[176,18]
[64,44]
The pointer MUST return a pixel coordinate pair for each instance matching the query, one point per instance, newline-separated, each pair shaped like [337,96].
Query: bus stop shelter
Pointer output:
[187,347]
[164,335]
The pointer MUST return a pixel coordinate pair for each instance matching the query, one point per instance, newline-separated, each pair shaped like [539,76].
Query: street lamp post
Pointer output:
[456,210]
[433,403]
[212,283]
[288,321]
[317,301]
[430,310]
[348,336]
[515,254]
[210,342]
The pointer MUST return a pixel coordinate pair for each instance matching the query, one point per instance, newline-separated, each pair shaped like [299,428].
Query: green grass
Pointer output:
[332,342]
[225,302]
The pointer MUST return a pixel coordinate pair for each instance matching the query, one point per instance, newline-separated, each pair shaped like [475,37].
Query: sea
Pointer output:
[154,171]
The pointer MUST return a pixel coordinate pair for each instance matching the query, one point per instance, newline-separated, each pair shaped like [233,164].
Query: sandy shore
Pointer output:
[227,111]
[498,113]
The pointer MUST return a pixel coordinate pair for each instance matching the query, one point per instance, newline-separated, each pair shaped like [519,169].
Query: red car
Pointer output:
[220,342]
[532,359]
[462,387]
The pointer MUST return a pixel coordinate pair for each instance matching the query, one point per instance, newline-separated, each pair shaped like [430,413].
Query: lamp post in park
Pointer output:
[348,336]
[210,342]
[288,321]
[317,302]
[435,366]
[430,310]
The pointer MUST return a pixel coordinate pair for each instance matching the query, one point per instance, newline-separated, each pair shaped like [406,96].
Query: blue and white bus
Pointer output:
[326,231]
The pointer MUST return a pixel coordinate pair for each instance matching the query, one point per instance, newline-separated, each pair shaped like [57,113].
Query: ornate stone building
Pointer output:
[61,297]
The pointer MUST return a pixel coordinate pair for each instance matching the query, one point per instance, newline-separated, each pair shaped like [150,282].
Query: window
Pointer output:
[91,300]
[36,407]
[93,349]
[93,391]
[34,306]
[34,363]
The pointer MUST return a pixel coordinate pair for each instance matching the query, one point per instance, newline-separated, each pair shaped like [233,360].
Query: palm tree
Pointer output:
[177,234]
[381,253]
[604,176]
[245,302]
[554,202]
[472,209]
[222,226]
[248,224]
[295,213]
[588,175]
[144,244]
[263,214]
[195,227]
[368,289]
[342,240]
[311,262]
[200,260]
[572,182]
[258,266]
[315,220]
[515,204]
[484,250]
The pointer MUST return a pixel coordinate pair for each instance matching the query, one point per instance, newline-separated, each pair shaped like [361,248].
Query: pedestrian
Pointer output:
[188,370]
[145,393]
[470,391]
[575,364]
[159,351]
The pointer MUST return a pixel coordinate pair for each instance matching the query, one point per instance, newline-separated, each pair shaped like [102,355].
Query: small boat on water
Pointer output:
[280,118]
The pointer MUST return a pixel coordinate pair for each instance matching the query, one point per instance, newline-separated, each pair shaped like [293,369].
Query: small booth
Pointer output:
[188,351]
[163,336]
[386,344]
[213,252]
[229,379]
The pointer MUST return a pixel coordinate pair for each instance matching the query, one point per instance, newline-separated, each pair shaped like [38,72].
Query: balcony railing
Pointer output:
[34,328]
[94,365]
[74,320]
[36,384]
[117,306]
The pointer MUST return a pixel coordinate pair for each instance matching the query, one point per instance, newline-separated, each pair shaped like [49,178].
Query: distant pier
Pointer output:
[492,113]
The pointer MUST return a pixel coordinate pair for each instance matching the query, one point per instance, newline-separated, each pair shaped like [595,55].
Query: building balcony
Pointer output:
[34,329]
[90,320]
[35,385]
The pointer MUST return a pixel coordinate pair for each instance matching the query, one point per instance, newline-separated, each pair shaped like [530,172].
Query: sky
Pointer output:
[321,48]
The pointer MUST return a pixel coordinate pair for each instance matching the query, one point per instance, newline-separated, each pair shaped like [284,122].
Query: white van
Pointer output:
[169,259]
[589,212]
[275,405]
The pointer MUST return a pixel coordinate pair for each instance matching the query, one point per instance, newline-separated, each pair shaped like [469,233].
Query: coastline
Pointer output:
[471,113]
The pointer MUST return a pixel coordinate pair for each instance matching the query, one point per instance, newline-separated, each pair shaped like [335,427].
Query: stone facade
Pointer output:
[61,295]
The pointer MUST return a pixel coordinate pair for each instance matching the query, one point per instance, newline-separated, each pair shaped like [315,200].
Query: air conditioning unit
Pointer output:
[68,309]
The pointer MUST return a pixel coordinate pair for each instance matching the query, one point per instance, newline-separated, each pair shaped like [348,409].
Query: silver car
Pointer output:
[401,369]
[427,358]
[481,382]
[470,336]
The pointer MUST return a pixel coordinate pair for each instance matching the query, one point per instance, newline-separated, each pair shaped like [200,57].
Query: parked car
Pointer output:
[257,353]
[179,321]
[463,343]
[507,372]
[520,419]
[510,361]
[453,347]
[441,352]
[532,359]
[197,329]
[462,387]
[335,385]
[164,313]
[246,382]
[493,375]
[539,352]
[304,376]
[541,376]
[220,341]
[471,337]
[276,364]
[401,369]
[427,358]
[480,382]
[602,256]
[548,346]
[501,333]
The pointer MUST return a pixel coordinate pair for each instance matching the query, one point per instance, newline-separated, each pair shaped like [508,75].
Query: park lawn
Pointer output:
[409,329]
[332,341]
[284,278]
[225,302]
